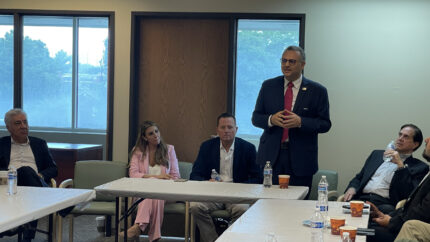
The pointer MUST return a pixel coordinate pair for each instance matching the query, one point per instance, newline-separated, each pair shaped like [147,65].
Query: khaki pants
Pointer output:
[414,230]
[203,219]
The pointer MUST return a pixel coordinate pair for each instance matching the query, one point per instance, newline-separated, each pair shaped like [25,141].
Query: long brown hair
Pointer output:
[161,156]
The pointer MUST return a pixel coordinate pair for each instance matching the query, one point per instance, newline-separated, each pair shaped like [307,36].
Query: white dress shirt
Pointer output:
[296,85]
[380,182]
[22,155]
[226,163]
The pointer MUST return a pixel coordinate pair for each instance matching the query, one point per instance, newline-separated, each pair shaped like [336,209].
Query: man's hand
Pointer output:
[374,211]
[395,157]
[278,119]
[291,120]
[349,194]
[383,220]
[286,119]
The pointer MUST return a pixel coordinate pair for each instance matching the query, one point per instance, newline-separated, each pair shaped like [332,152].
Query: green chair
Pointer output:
[332,179]
[176,215]
[89,174]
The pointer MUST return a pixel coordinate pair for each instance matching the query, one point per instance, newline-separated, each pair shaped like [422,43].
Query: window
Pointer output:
[65,72]
[259,47]
[6,65]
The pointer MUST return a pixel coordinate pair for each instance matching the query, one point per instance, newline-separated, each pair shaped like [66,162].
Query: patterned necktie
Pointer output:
[288,103]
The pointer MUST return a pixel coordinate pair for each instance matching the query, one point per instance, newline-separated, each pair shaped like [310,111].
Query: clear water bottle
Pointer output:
[267,173]
[215,176]
[322,203]
[317,226]
[12,181]
[345,237]
[390,146]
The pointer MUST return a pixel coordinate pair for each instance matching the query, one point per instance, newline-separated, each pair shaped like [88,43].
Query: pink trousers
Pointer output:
[151,211]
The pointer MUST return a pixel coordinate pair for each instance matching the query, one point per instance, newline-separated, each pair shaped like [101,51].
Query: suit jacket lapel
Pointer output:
[300,95]
[235,159]
[7,151]
[279,94]
[216,155]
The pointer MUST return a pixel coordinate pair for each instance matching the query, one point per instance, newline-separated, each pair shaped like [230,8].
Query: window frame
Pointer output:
[18,15]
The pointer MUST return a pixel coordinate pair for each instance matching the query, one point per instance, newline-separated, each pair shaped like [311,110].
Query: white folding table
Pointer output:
[31,203]
[284,218]
[195,191]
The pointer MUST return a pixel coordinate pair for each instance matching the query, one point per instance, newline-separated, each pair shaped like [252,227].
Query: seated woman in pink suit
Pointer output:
[151,158]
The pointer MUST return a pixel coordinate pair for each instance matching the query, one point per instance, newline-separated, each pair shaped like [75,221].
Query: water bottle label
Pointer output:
[323,208]
[322,188]
[267,172]
[317,225]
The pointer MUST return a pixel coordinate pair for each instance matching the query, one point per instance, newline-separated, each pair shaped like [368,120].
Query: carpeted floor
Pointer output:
[85,230]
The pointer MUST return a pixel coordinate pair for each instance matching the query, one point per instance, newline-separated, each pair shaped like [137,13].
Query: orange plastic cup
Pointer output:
[336,223]
[356,208]
[284,180]
[351,230]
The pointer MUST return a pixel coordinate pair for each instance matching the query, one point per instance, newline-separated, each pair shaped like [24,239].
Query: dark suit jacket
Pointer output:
[404,180]
[416,207]
[44,162]
[311,105]
[245,169]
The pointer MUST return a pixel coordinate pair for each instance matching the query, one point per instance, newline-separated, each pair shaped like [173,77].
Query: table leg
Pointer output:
[187,221]
[125,218]
[51,220]
[116,218]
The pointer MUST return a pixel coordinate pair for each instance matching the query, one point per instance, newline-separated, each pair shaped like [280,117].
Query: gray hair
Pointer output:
[8,116]
[298,49]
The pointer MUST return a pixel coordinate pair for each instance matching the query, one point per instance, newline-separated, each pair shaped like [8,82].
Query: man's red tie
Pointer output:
[288,103]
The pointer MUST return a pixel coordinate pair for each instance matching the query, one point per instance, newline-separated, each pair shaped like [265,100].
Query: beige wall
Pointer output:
[371,55]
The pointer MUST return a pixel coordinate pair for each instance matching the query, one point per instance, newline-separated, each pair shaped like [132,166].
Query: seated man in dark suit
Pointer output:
[417,207]
[29,155]
[234,159]
[384,183]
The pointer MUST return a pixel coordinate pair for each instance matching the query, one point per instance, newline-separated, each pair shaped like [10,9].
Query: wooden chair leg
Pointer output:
[71,228]
[59,228]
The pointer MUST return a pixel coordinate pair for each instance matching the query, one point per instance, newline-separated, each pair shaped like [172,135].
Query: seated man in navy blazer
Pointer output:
[417,207]
[29,155]
[384,183]
[234,159]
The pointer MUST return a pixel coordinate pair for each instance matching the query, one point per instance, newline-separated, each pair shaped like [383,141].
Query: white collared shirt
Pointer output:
[226,162]
[296,85]
[380,182]
[21,155]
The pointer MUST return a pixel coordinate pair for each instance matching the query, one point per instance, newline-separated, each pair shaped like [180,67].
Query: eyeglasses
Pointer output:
[291,61]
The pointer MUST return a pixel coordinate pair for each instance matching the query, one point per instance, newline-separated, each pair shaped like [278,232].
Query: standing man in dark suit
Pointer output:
[29,155]
[417,207]
[385,183]
[234,159]
[292,110]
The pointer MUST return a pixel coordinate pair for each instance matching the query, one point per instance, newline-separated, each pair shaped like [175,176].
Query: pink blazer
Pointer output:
[139,164]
